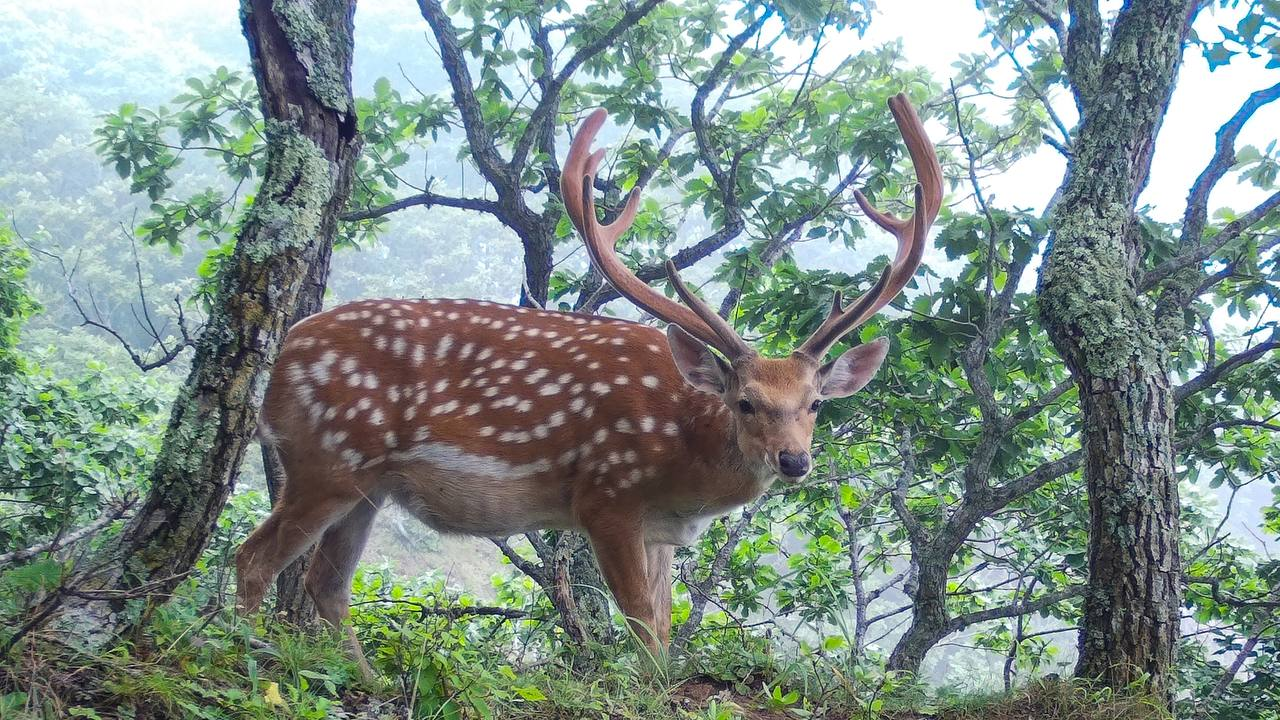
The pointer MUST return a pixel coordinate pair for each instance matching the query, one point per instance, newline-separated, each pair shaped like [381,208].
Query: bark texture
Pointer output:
[1106,333]
[301,54]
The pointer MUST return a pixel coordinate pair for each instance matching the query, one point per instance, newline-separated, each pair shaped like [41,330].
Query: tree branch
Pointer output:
[1215,373]
[1036,479]
[698,115]
[1201,253]
[916,533]
[1025,607]
[425,199]
[1224,156]
[488,160]
[544,112]
[115,512]
[1082,55]
[1052,19]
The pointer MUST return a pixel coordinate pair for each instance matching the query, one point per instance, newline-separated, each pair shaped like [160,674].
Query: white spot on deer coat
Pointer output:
[446,407]
[442,349]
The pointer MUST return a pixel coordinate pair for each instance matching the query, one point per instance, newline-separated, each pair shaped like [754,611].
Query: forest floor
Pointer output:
[108,691]
[195,659]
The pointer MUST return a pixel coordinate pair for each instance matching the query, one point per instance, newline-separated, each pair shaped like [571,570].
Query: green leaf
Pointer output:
[530,693]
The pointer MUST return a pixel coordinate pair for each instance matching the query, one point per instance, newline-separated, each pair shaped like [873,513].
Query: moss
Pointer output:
[307,27]
[290,204]
[1088,294]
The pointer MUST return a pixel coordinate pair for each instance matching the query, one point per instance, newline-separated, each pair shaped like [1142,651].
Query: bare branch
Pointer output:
[1025,607]
[113,513]
[96,320]
[425,199]
[1212,375]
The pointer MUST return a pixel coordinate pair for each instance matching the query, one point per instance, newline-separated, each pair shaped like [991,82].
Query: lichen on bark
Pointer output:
[307,26]
[1106,331]
[290,204]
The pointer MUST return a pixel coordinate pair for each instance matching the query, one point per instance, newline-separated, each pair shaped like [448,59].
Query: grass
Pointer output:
[1048,700]
[194,663]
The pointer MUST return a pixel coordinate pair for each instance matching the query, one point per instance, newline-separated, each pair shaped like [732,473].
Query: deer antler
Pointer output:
[910,231]
[576,187]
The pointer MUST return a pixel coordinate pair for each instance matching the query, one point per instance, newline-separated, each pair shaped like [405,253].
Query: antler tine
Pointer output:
[911,233]
[728,336]
[577,189]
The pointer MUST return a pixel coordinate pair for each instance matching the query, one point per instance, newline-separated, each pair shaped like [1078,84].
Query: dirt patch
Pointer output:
[698,692]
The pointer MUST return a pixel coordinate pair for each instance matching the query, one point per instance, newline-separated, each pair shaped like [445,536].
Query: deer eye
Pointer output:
[814,407]
[746,407]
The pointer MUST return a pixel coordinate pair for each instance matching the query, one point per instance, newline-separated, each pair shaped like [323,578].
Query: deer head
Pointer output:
[773,401]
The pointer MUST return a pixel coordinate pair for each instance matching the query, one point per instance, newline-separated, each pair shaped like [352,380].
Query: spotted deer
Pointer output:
[487,419]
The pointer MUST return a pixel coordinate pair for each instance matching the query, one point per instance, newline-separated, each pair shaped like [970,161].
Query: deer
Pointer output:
[492,420]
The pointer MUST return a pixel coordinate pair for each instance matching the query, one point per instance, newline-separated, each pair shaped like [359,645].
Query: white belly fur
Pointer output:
[469,495]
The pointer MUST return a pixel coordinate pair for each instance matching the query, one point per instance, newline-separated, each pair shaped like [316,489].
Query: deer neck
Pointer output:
[724,477]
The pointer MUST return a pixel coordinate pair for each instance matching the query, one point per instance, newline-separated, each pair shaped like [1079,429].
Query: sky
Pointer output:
[1202,101]
[934,33]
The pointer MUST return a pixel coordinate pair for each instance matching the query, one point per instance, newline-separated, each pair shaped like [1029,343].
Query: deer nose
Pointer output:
[793,464]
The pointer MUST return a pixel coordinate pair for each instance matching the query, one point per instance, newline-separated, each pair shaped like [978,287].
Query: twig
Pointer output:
[114,513]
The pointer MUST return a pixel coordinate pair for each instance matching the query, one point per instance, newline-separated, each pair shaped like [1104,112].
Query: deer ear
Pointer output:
[847,374]
[700,367]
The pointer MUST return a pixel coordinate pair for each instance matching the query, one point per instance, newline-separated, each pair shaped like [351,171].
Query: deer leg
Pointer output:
[658,561]
[290,528]
[333,564]
[620,550]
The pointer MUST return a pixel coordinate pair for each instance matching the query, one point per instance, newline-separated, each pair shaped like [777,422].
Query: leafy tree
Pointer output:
[283,244]
[952,496]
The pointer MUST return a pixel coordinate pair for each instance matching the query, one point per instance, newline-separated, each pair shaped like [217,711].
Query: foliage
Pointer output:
[787,608]
[16,303]
[68,446]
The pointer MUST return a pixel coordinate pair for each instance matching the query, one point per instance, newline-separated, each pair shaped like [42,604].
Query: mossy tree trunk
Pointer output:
[301,53]
[1090,304]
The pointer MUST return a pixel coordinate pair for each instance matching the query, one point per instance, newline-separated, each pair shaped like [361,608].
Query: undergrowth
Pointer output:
[197,660]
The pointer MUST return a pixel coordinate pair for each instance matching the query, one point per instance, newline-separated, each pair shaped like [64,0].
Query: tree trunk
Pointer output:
[1131,610]
[1106,334]
[538,246]
[292,601]
[301,53]
[928,616]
